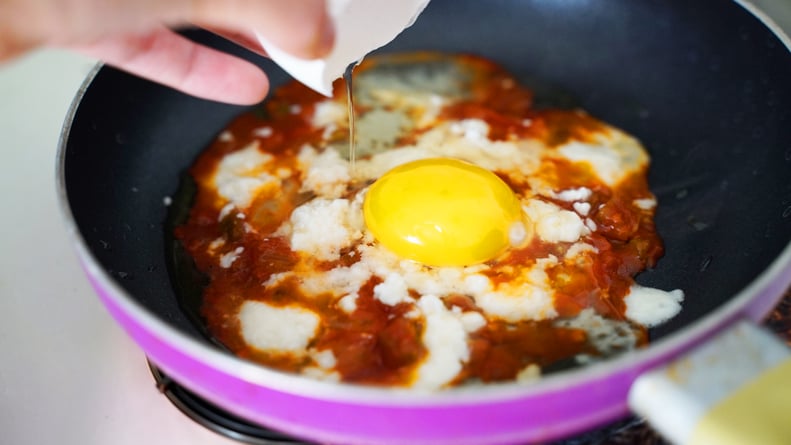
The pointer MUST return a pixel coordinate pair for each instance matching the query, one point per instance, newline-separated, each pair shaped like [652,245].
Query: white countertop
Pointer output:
[68,374]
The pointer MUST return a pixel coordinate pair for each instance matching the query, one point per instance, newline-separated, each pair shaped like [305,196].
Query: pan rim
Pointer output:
[775,279]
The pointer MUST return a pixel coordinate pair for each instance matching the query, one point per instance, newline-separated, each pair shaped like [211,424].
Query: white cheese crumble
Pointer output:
[322,228]
[577,194]
[216,244]
[225,136]
[474,130]
[525,297]
[241,174]
[517,234]
[277,329]
[577,249]
[471,321]
[651,307]
[341,280]
[554,224]
[348,303]
[326,174]
[446,341]
[583,208]
[528,297]
[329,113]
[318,373]
[529,374]
[392,290]
[225,211]
[227,259]
[263,132]
[613,156]
[645,203]
[605,162]
[324,358]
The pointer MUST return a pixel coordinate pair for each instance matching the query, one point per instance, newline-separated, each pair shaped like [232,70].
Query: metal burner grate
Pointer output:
[214,418]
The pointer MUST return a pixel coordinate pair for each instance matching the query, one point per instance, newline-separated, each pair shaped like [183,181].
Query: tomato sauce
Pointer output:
[377,343]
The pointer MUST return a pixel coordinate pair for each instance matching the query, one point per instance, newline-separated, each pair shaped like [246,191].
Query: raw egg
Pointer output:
[443,212]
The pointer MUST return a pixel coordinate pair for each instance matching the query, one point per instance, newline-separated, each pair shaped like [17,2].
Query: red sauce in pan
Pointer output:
[376,344]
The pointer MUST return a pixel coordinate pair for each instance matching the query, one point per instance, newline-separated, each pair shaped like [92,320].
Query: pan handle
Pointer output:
[733,389]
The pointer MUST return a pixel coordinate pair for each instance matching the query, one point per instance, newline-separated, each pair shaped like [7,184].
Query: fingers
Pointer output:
[301,27]
[165,57]
[244,39]
[131,35]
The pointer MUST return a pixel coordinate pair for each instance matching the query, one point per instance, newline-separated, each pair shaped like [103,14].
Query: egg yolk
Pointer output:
[443,212]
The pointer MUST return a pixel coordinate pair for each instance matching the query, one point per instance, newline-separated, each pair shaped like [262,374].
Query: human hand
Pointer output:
[134,35]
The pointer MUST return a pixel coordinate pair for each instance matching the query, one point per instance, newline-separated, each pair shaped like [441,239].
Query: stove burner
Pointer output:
[626,432]
[214,418]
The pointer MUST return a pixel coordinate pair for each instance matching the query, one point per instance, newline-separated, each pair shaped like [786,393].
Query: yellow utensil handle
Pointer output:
[734,389]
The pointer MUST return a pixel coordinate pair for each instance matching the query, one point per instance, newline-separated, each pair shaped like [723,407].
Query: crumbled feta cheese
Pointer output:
[652,307]
[471,321]
[263,132]
[225,211]
[535,303]
[227,259]
[341,280]
[326,174]
[392,290]
[529,373]
[348,303]
[321,228]
[578,194]
[225,136]
[240,175]
[474,130]
[446,341]
[329,113]
[315,372]
[578,248]
[645,203]
[216,244]
[554,224]
[477,283]
[613,157]
[277,329]
[283,172]
[583,208]
[517,234]
[324,358]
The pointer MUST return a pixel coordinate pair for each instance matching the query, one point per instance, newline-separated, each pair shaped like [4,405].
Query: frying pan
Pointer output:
[705,85]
